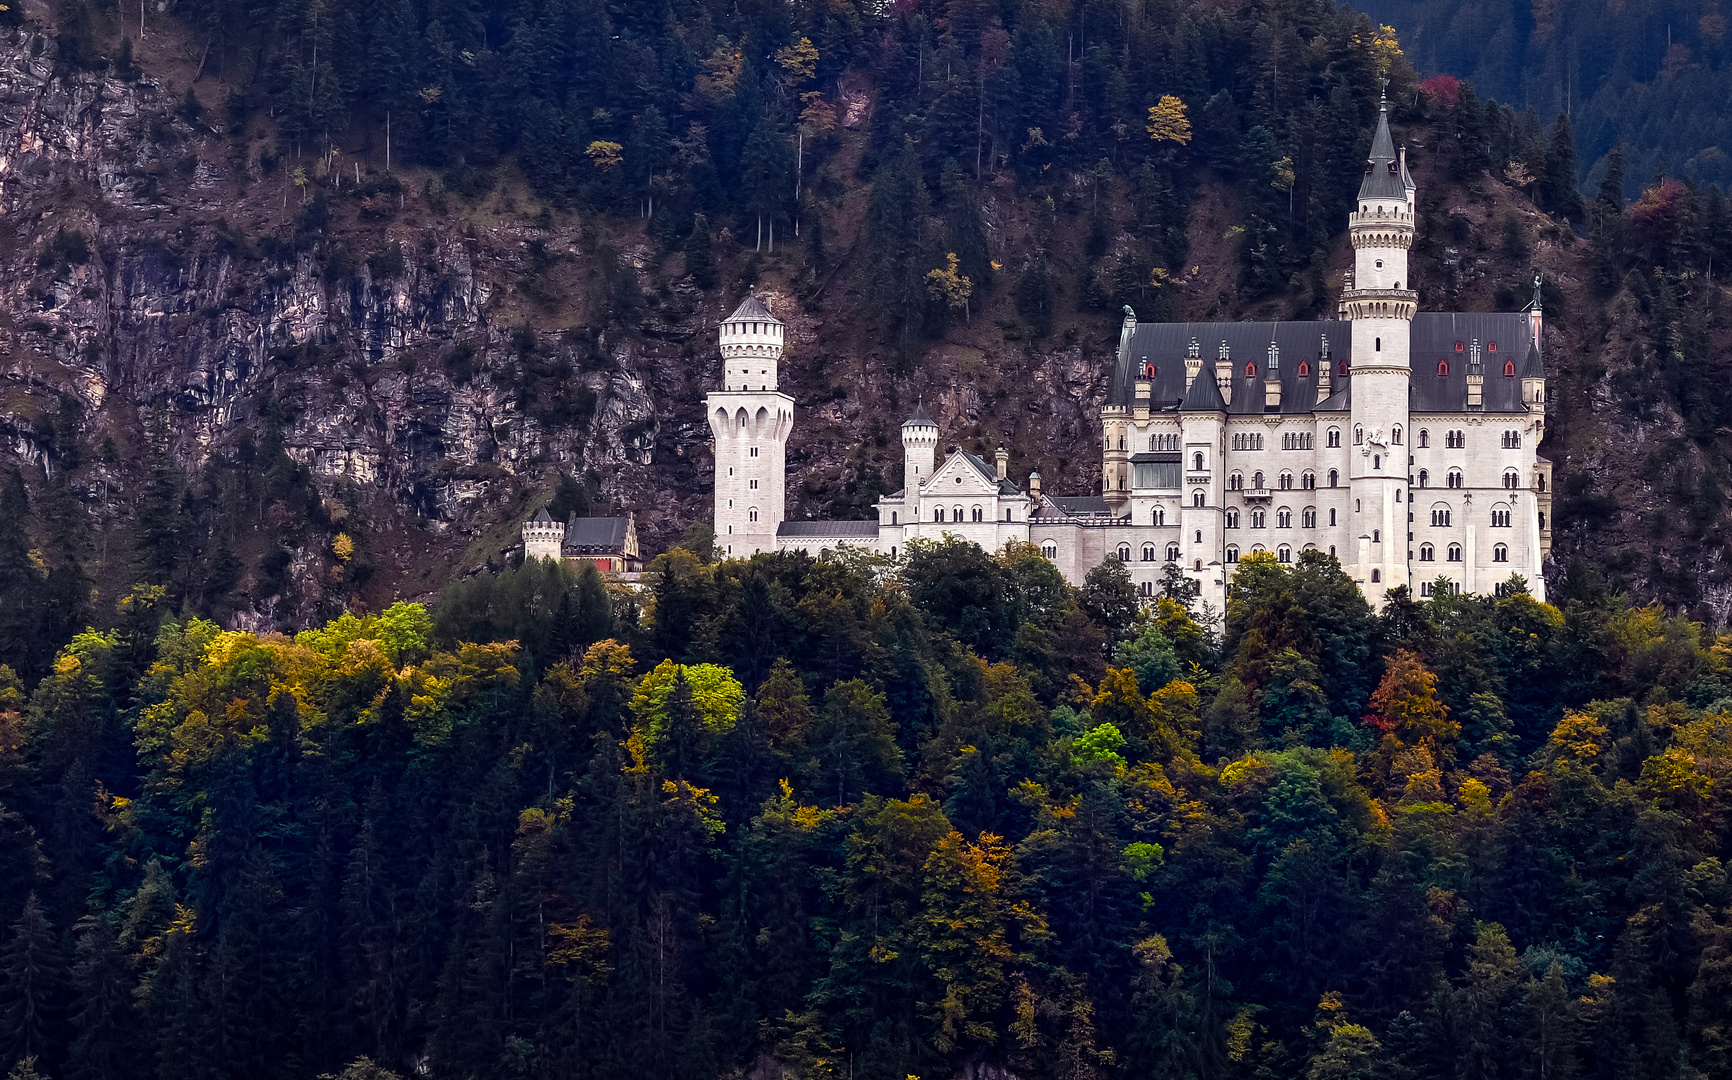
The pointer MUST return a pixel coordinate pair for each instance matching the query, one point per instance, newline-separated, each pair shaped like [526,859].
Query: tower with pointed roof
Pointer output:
[1381,306]
[750,420]
[543,537]
[919,454]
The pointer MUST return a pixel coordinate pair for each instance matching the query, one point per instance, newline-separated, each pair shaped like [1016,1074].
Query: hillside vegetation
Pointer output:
[831,818]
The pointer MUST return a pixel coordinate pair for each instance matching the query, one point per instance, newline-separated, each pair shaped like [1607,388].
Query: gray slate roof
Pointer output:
[1434,336]
[1384,176]
[542,517]
[1204,395]
[1165,345]
[990,474]
[1080,504]
[593,535]
[918,417]
[751,308]
[835,530]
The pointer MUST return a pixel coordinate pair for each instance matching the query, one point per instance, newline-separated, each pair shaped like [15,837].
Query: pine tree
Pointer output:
[20,582]
[896,214]
[1610,199]
[102,1017]
[31,973]
[1561,196]
[700,265]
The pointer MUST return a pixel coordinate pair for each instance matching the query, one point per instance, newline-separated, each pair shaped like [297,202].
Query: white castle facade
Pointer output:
[1403,443]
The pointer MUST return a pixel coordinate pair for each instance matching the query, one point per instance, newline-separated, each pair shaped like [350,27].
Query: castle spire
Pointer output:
[1383,166]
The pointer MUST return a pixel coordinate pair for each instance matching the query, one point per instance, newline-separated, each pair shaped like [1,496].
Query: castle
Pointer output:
[1401,442]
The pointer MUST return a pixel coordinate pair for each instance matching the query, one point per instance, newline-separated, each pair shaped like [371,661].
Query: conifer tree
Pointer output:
[31,975]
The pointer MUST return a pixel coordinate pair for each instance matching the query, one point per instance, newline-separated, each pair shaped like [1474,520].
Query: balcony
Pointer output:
[1257,494]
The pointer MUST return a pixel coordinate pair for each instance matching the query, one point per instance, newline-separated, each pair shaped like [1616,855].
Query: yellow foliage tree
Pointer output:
[949,287]
[605,155]
[1168,122]
[799,61]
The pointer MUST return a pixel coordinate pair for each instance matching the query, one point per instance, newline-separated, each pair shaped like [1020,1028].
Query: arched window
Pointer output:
[1334,478]
[956,514]
[1454,553]
[1308,517]
[1147,588]
[1199,567]
[1334,438]
[1500,519]
[892,517]
[1358,435]
[1376,576]
[752,514]
[1121,440]
[1257,519]
[1158,516]
[1308,480]
[1443,367]
[1304,369]
[1236,482]
[1257,481]
[1424,438]
[1440,517]
[1341,368]
[1197,463]
[1397,494]
[1148,553]
[1123,554]
[1426,553]
[1232,518]
[1542,522]
[1172,552]
[1199,536]
[1232,553]
[1455,478]
[1049,549]
[1395,435]
[938,514]
[1511,479]
[1500,553]
[1509,369]
[1512,440]
[1286,481]
[1377,461]
[1284,554]
[1251,369]
[1331,515]
[1197,498]
[1283,518]
[1424,478]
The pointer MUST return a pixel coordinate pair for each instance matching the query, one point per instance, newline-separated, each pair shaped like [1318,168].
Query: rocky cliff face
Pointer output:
[317,349]
[428,361]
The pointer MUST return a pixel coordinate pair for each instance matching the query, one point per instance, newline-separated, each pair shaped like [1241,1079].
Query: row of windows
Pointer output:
[1163,442]
[1300,440]
[974,514]
[1296,440]
[1283,518]
[1454,479]
[1508,367]
[1427,553]
[1247,440]
[1307,481]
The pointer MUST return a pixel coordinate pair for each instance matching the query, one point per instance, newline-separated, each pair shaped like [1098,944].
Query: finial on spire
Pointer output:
[1538,282]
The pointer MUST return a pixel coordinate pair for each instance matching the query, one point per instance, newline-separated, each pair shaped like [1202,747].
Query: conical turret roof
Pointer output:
[542,517]
[752,309]
[1531,366]
[919,418]
[1384,177]
[1203,396]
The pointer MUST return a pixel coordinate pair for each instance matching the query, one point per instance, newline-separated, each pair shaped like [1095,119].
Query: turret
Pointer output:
[1193,363]
[1224,372]
[751,341]
[1475,378]
[1381,304]
[543,537]
[750,420]
[919,451]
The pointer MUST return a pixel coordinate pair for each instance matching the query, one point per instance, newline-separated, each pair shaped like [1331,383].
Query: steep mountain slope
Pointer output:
[282,386]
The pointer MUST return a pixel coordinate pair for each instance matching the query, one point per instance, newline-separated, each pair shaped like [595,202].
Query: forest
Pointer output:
[849,816]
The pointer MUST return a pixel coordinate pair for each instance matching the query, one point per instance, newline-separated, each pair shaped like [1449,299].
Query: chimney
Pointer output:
[1325,371]
[1224,373]
[1193,363]
[1003,459]
[1475,378]
[1272,380]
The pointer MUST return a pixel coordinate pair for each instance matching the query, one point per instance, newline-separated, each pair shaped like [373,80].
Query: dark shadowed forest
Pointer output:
[840,817]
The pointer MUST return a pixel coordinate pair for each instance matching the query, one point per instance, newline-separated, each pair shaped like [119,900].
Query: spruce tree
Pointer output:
[1559,182]
[896,214]
[31,972]
[700,264]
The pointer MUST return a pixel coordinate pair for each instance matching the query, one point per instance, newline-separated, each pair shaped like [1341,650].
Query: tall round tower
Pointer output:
[750,420]
[919,459]
[1381,304]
